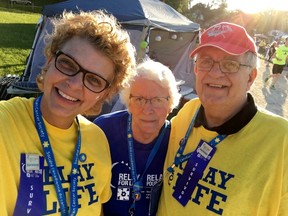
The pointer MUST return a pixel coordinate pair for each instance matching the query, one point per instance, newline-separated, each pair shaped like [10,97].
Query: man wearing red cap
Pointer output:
[226,155]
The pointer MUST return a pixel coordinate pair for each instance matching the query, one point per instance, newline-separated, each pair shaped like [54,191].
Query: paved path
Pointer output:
[276,100]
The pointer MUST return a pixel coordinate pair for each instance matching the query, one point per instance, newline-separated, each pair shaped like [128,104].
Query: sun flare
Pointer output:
[250,6]
[255,6]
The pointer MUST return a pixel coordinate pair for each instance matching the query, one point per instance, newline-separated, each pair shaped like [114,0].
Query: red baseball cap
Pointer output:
[229,37]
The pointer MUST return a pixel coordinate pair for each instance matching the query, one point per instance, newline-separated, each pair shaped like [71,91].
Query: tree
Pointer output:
[208,14]
[180,5]
[216,11]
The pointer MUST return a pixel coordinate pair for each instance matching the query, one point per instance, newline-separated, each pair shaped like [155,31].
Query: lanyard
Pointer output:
[138,181]
[179,157]
[49,156]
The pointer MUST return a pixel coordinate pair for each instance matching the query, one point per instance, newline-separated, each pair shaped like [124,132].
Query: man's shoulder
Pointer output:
[16,106]
[282,47]
[193,104]
[187,111]
[267,118]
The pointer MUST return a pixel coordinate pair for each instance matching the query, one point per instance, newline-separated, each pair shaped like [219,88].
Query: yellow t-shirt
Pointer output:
[248,174]
[19,135]
[281,55]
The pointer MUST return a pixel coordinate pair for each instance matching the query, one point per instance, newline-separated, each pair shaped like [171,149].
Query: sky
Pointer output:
[252,6]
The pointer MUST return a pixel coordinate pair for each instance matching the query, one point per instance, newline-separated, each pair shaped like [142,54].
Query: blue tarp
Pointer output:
[135,15]
[139,12]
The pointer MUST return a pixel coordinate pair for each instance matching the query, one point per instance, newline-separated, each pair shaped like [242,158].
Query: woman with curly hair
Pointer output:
[53,160]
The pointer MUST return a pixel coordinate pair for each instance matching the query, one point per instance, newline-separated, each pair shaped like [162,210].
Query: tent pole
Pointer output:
[28,66]
[141,52]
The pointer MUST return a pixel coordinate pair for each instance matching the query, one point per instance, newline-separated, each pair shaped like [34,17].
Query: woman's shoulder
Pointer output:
[16,106]
[114,116]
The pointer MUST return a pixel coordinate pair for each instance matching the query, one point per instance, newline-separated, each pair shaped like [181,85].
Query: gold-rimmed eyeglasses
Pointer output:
[156,102]
[225,65]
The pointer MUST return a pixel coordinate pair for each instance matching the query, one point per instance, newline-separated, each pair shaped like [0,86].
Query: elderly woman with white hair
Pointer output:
[138,138]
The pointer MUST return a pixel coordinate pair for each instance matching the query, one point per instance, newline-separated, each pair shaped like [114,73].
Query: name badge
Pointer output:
[193,171]
[30,200]
[32,162]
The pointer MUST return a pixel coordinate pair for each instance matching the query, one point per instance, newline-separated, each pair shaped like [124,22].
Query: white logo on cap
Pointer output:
[219,30]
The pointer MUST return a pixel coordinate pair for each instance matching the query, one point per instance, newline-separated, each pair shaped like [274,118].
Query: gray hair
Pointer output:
[155,71]
[251,59]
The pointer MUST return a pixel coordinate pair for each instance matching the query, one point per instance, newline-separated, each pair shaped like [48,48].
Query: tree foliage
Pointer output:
[216,11]
[180,5]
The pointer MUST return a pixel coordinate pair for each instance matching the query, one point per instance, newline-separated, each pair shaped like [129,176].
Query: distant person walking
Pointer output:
[262,47]
[271,50]
[279,62]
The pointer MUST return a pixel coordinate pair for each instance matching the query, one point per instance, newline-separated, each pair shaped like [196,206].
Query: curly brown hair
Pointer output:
[105,34]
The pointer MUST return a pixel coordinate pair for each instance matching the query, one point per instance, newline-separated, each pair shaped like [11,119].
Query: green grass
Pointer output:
[17,30]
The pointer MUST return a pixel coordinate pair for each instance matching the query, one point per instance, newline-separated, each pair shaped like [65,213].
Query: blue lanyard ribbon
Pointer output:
[179,157]
[49,156]
[138,182]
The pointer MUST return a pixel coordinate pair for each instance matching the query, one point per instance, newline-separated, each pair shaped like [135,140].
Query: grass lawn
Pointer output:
[17,29]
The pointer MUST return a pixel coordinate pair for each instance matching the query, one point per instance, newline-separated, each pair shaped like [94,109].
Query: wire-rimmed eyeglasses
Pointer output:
[68,66]
[225,65]
[156,102]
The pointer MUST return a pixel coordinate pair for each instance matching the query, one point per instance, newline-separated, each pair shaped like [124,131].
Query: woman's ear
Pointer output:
[49,60]
[102,95]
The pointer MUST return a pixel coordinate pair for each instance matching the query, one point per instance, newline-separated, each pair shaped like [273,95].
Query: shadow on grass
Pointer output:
[20,8]
[15,35]
[11,65]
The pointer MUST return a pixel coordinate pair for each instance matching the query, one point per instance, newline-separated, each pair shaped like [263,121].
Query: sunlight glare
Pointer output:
[250,6]
[255,6]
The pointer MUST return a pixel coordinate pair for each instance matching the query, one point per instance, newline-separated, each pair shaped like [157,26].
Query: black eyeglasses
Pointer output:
[156,102]
[226,65]
[68,66]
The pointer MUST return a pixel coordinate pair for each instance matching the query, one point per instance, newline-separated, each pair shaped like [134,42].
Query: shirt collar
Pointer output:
[233,125]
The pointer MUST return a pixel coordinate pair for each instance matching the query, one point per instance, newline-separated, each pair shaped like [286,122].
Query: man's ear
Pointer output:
[195,68]
[252,77]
